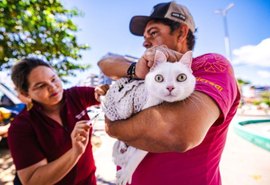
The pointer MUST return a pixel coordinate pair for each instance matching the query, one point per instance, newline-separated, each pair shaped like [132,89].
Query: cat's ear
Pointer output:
[159,58]
[187,59]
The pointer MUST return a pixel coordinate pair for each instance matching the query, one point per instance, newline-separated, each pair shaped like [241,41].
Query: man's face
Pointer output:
[156,34]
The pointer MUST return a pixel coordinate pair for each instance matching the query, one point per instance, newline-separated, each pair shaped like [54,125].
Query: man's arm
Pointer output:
[114,66]
[170,127]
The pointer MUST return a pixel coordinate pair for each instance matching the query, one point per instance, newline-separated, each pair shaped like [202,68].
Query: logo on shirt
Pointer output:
[218,87]
[80,115]
[212,64]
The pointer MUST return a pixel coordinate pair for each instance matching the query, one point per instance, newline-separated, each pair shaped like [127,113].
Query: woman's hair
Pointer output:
[175,25]
[21,71]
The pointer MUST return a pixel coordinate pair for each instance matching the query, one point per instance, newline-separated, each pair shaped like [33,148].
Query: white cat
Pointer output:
[165,81]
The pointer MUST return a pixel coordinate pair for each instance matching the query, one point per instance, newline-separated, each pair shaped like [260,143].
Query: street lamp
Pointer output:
[223,13]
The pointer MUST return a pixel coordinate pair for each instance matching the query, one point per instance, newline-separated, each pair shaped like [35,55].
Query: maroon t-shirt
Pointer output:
[34,136]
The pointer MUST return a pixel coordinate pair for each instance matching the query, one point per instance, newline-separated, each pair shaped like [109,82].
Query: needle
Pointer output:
[91,121]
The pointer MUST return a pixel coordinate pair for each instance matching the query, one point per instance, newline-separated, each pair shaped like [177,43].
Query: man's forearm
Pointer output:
[114,66]
[169,127]
[146,130]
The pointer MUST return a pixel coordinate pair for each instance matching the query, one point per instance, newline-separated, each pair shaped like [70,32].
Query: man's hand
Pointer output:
[148,59]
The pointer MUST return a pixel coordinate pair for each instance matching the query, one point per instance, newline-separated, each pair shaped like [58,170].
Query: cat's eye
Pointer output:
[182,77]
[159,78]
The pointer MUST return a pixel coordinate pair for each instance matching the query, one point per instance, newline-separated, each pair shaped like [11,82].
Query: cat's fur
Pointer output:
[168,82]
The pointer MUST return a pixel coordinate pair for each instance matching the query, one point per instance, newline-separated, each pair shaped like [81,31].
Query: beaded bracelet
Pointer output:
[131,70]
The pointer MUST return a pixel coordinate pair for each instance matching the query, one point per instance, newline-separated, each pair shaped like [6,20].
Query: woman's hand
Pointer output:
[148,59]
[80,137]
[101,90]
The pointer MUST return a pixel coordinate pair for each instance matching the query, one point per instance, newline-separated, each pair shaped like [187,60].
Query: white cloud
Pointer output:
[258,55]
[264,74]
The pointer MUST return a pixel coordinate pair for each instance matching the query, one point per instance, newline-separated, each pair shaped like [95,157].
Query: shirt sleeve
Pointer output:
[87,95]
[23,144]
[215,77]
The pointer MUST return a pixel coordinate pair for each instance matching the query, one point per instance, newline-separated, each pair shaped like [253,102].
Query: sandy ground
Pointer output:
[243,163]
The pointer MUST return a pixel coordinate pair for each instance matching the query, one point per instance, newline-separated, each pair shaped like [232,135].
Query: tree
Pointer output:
[41,28]
[242,82]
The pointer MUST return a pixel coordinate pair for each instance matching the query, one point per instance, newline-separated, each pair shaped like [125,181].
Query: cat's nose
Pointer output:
[170,88]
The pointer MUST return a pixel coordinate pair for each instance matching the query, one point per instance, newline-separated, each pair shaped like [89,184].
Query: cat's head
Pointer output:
[170,81]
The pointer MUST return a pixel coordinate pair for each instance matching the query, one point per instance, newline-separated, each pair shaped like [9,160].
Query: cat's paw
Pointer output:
[123,177]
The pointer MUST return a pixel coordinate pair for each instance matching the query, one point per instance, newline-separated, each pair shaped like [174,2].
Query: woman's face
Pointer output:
[45,86]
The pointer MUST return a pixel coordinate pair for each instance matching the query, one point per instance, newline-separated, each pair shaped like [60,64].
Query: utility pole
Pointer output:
[223,13]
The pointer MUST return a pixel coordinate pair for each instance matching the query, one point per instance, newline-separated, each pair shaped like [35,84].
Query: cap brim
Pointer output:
[137,24]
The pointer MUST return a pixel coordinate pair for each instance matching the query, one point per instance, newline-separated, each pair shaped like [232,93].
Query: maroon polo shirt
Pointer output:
[34,136]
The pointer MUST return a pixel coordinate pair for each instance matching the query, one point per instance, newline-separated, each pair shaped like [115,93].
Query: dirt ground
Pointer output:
[7,168]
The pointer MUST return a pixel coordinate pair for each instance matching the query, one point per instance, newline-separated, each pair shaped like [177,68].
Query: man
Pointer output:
[185,139]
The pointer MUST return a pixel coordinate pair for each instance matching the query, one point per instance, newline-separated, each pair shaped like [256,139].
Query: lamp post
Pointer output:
[223,13]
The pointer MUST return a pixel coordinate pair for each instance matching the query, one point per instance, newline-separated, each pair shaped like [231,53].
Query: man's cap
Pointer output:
[170,10]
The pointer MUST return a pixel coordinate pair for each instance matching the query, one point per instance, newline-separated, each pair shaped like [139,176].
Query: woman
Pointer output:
[50,141]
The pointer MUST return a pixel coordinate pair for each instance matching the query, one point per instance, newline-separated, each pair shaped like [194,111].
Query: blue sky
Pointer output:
[105,27]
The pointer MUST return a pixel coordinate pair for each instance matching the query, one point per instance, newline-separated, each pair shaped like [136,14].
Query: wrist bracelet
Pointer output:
[131,70]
